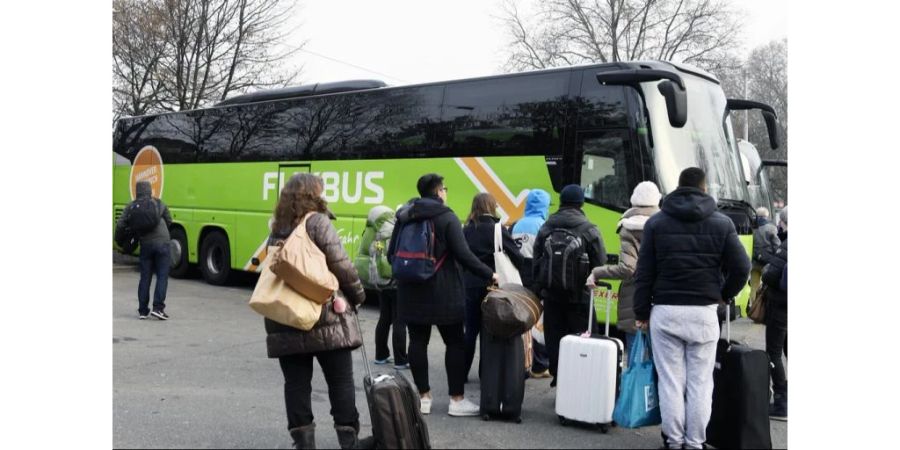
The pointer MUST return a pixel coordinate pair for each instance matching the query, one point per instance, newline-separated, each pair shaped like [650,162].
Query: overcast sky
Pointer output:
[414,41]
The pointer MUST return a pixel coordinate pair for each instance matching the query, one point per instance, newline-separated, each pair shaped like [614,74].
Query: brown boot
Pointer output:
[305,436]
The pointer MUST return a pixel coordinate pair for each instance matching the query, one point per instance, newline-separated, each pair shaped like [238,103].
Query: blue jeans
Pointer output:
[154,260]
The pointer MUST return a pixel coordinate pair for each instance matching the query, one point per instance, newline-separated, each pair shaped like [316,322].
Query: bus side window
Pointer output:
[604,176]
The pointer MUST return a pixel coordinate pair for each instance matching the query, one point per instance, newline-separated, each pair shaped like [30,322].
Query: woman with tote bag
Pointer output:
[332,338]
[480,232]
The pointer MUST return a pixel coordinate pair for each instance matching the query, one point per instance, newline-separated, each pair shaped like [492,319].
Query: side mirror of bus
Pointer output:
[772,128]
[676,102]
[768,115]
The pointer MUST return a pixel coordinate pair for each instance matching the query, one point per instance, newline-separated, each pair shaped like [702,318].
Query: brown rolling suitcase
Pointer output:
[397,421]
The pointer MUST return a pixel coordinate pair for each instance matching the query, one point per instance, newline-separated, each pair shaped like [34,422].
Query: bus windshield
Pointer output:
[706,140]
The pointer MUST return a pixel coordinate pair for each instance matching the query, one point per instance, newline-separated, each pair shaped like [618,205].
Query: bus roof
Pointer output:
[357,86]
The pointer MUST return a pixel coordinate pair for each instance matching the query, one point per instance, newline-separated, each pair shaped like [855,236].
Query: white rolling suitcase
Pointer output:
[588,374]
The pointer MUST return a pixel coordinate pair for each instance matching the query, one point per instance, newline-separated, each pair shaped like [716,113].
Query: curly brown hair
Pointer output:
[301,194]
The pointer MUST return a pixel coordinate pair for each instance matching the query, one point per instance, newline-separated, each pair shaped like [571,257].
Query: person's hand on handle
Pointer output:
[591,281]
[642,325]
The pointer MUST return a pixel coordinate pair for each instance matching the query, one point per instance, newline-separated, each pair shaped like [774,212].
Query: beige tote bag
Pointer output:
[300,264]
[275,300]
[506,271]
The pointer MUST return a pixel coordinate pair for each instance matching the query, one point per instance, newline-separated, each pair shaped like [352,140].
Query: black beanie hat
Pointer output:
[572,194]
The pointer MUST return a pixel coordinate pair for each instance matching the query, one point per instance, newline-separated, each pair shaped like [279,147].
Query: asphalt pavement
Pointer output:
[202,380]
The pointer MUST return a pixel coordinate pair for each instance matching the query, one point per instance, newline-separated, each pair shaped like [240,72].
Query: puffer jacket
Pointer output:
[440,300]
[631,230]
[690,255]
[776,297]
[332,331]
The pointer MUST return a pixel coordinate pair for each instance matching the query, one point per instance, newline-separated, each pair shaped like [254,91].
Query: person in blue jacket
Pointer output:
[524,232]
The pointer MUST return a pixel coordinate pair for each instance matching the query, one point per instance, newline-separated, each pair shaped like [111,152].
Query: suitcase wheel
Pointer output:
[563,421]
[519,419]
[486,417]
[604,428]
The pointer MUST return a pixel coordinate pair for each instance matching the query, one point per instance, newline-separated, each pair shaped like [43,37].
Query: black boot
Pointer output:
[348,437]
[305,436]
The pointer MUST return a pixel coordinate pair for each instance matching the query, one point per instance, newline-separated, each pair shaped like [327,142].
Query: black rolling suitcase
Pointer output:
[397,421]
[740,409]
[502,377]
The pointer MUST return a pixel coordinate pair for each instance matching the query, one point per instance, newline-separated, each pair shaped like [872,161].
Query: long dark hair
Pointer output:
[301,194]
[482,204]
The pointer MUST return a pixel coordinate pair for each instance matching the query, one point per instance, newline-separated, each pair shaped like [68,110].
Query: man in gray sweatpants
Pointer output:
[690,261]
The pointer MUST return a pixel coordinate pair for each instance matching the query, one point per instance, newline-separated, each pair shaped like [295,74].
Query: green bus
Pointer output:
[606,127]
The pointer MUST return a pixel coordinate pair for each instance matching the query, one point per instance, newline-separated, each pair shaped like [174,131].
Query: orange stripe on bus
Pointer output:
[514,212]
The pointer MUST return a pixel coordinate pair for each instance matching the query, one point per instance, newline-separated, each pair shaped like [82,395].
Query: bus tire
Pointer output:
[215,258]
[179,249]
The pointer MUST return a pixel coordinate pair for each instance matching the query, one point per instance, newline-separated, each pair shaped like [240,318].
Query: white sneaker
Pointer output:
[425,405]
[463,408]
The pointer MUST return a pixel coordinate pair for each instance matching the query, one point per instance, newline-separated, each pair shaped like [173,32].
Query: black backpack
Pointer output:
[565,263]
[143,215]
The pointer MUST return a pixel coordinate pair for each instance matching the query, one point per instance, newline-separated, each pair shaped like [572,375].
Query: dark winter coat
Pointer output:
[776,297]
[440,300]
[574,220]
[480,238]
[333,331]
[690,255]
[765,242]
[160,234]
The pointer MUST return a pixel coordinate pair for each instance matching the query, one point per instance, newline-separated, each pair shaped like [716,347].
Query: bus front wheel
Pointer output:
[215,258]
[179,254]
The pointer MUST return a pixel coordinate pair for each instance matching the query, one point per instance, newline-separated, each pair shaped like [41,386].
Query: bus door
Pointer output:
[286,171]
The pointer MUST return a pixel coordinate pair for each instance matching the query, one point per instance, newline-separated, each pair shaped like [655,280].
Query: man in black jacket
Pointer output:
[440,300]
[690,261]
[566,311]
[774,275]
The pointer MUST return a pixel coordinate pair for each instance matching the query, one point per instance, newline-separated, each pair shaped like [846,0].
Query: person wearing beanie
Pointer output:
[644,203]
[690,261]
[564,308]
[774,275]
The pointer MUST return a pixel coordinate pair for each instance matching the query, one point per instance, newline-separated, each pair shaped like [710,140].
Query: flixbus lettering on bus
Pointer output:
[346,187]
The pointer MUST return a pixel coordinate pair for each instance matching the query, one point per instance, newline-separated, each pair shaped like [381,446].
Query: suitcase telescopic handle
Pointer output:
[362,339]
[728,322]
[591,306]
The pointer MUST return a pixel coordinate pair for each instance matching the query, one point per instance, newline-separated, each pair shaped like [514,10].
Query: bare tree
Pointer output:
[568,32]
[763,77]
[138,47]
[186,54]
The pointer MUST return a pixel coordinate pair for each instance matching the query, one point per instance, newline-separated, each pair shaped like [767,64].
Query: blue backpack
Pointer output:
[414,259]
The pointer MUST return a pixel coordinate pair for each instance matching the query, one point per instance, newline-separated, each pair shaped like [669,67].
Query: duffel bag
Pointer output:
[510,310]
